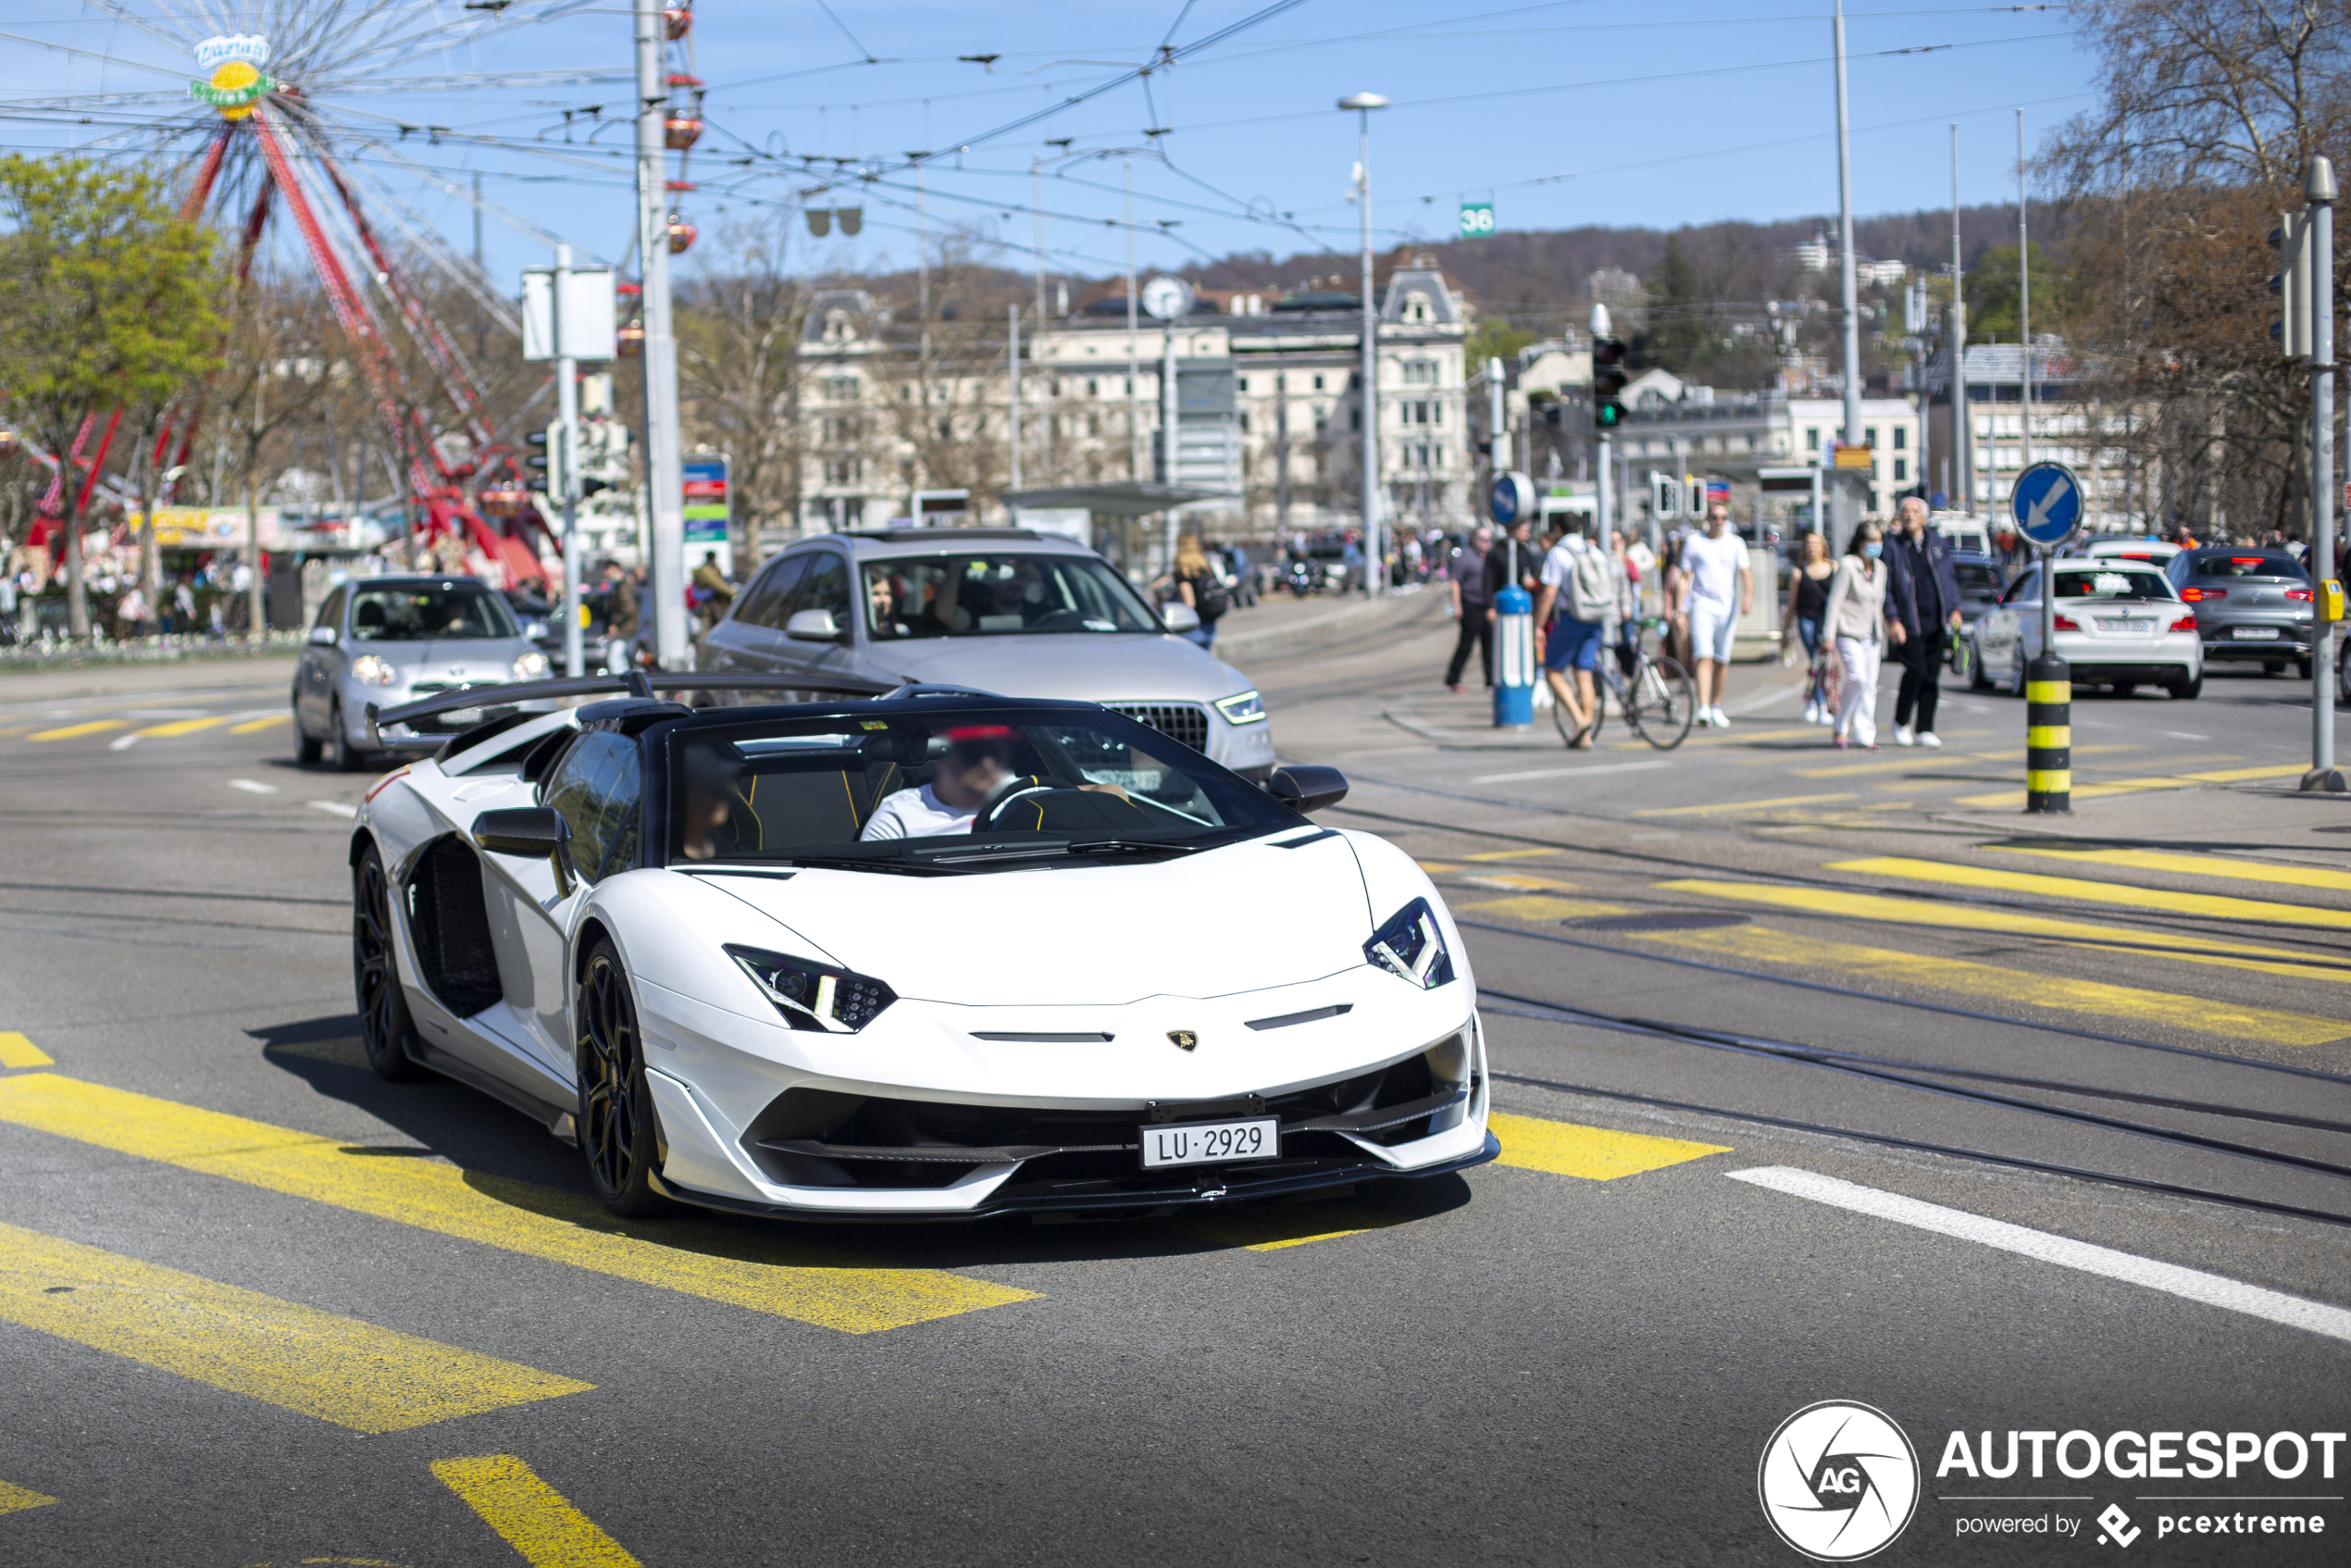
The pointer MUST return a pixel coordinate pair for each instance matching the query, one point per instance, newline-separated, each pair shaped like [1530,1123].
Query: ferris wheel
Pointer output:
[279,118]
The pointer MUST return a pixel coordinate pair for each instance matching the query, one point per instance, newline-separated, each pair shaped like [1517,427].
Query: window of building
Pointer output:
[1812,441]
[1436,413]
[1901,468]
[1318,383]
[1901,438]
[1243,383]
[1868,437]
[1420,372]
[1244,422]
[1355,419]
[1093,388]
[841,389]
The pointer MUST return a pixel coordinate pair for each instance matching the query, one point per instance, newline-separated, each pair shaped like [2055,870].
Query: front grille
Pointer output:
[820,1137]
[1182,722]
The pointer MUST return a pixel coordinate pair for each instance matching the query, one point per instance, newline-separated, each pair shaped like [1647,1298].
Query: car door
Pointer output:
[750,639]
[824,586]
[321,663]
[595,787]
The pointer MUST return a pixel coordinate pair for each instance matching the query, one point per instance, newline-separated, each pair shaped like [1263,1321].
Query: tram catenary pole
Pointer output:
[665,480]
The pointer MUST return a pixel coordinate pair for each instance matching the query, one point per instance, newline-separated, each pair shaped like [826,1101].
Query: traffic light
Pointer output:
[545,462]
[2292,240]
[1607,383]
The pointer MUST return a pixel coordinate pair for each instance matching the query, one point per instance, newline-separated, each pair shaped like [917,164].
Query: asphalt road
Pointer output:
[260,1307]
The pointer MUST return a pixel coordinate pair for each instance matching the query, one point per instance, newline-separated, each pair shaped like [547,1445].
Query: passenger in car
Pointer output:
[979,759]
[709,774]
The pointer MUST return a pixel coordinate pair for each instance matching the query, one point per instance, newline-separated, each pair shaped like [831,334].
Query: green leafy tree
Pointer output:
[112,302]
[1993,295]
[1493,339]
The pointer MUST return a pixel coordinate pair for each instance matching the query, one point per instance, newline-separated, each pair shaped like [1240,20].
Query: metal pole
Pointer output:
[1012,318]
[665,483]
[1134,360]
[1168,415]
[2318,187]
[1375,556]
[2024,317]
[1962,419]
[1036,199]
[1845,238]
[1604,508]
[567,439]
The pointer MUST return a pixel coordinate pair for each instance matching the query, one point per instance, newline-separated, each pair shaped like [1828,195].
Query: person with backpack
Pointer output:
[1197,582]
[1579,581]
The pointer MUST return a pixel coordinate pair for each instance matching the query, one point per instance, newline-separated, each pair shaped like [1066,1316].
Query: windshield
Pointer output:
[418,612]
[957,791]
[999,595]
[2119,584]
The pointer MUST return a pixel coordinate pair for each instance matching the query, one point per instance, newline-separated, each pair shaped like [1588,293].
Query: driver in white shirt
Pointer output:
[978,762]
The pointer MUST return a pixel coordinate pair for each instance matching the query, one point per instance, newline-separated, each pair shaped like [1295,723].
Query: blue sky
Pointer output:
[1566,113]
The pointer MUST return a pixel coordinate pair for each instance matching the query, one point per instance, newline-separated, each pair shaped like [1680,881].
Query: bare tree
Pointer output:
[738,331]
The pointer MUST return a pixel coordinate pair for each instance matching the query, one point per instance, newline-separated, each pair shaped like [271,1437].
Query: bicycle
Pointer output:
[1656,695]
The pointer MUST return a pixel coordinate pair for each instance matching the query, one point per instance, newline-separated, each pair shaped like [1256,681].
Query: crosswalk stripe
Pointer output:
[2006,797]
[2193,866]
[15,1051]
[2214,906]
[181,727]
[740,1265]
[2013,986]
[251,725]
[2012,922]
[71,731]
[1273,1229]
[1713,806]
[14,1498]
[1592,1153]
[536,1520]
[339,1369]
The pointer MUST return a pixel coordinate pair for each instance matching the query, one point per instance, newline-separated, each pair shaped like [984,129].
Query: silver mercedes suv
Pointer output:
[1003,610]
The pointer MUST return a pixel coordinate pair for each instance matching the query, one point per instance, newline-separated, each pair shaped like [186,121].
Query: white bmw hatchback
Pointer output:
[937,955]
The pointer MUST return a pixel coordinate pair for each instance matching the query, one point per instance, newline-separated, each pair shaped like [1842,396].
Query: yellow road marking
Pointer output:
[15,729]
[2133,786]
[298,1358]
[96,727]
[1436,867]
[15,1051]
[183,726]
[13,1499]
[2007,922]
[1592,1153]
[2215,906]
[1530,884]
[2022,987]
[535,1519]
[2196,865]
[1742,805]
[1271,1229]
[1939,759]
[253,724]
[1541,906]
[744,1265]
[1509,854]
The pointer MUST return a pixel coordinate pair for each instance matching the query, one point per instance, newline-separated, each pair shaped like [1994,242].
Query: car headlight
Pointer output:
[813,996]
[1410,947]
[530,666]
[1247,708]
[369,670]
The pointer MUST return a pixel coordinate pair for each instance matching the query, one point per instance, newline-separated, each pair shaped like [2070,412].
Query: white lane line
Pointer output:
[1570,772]
[250,787]
[125,744]
[2192,1284]
[336,806]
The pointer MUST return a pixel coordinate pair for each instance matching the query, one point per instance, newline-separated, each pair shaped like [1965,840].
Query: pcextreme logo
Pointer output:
[1838,1481]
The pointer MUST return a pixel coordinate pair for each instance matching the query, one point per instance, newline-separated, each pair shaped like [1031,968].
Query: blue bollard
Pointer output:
[1514,659]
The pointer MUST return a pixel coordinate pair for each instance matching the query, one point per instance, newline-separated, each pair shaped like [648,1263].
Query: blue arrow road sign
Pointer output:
[1512,497]
[2048,503]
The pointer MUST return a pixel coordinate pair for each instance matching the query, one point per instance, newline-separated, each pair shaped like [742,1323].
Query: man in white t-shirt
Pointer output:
[1716,590]
[979,759]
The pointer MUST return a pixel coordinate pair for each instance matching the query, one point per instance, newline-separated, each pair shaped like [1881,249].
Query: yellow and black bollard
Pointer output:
[2049,735]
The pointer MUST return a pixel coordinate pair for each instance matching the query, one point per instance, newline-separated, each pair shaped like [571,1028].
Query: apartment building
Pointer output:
[2069,425]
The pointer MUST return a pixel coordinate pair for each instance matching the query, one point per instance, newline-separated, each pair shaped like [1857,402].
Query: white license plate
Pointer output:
[2257,634]
[2128,626]
[1206,1143]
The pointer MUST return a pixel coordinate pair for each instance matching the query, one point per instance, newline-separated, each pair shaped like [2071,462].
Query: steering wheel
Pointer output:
[989,817]
[1038,793]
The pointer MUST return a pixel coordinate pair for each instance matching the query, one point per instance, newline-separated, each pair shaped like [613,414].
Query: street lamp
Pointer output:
[1374,556]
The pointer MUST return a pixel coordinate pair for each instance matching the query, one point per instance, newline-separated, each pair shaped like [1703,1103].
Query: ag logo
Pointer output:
[1182,1039]
[1838,1481]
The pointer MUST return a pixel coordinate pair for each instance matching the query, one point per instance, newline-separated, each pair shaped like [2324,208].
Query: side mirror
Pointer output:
[1179,617]
[323,637]
[812,626]
[535,630]
[1302,786]
[531,832]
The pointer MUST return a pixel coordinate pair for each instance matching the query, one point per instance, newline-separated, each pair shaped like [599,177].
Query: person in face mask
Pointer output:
[1856,621]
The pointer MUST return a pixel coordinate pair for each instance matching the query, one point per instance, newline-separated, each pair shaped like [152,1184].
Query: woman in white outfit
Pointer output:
[1856,621]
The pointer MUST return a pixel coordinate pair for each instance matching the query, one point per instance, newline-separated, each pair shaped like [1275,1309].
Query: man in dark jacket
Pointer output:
[1921,612]
[1465,574]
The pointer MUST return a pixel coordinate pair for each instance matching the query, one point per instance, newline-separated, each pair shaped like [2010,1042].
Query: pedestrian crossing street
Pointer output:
[2019,894]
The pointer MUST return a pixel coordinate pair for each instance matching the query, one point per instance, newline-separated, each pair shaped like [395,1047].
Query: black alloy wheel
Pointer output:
[385,1027]
[617,1132]
[306,749]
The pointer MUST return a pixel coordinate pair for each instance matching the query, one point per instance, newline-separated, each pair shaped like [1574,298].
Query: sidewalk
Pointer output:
[1280,624]
[1465,722]
[272,672]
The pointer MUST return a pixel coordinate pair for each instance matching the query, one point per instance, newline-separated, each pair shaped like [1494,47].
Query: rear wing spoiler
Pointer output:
[631,683]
